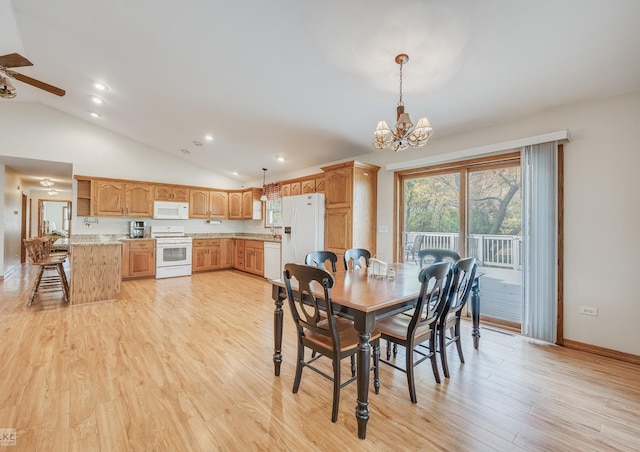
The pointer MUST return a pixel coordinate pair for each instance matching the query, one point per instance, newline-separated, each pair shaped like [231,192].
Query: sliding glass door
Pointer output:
[474,208]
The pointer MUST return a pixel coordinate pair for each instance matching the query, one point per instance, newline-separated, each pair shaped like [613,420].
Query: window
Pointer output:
[273,212]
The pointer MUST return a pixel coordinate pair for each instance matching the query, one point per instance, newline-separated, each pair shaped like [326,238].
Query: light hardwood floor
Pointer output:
[186,364]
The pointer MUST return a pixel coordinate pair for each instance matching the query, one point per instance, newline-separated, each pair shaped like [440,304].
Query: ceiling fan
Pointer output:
[7,90]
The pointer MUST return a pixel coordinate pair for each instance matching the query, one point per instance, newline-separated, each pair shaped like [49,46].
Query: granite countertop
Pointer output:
[115,239]
[94,240]
[237,235]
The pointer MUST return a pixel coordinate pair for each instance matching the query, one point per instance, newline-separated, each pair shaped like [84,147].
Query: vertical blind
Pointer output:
[540,238]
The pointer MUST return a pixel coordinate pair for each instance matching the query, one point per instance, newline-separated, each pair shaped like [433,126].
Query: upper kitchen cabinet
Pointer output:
[351,206]
[308,186]
[116,199]
[251,204]
[218,202]
[296,188]
[235,205]
[245,204]
[285,190]
[320,184]
[170,193]
[83,206]
[208,203]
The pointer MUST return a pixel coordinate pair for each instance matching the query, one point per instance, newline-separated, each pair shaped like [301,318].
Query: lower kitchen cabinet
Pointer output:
[206,255]
[138,258]
[254,257]
[238,257]
[227,256]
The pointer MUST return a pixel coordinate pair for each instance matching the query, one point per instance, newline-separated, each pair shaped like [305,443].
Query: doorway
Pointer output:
[54,218]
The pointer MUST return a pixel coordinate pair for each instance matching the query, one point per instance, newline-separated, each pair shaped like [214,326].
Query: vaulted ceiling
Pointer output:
[308,81]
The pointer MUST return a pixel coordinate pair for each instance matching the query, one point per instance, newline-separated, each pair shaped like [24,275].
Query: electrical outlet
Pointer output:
[588,311]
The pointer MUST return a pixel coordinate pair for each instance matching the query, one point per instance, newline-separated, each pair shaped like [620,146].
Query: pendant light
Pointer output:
[263,198]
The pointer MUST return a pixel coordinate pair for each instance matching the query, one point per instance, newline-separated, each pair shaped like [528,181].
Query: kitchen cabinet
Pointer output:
[227,253]
[320,184]
[251,204]
[112,198]
[170,193]
[285,190]
[238,257]
[207,204]
[308,186]
[83,205]
[350,207]
[206,255]
[296,188]
[218,203]
[254,257]
[138,258]
[235,205]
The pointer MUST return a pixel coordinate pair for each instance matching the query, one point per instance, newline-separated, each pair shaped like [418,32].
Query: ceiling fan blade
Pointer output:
[14,60]
[37,83]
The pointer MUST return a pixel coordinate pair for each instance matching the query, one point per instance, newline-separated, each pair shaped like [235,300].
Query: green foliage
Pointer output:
[495,204]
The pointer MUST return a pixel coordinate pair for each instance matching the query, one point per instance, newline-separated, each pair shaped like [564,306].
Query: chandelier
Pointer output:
[404,135]
[46,183]
[53,192]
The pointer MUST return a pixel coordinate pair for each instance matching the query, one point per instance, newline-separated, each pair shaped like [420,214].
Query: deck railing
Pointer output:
[504,251]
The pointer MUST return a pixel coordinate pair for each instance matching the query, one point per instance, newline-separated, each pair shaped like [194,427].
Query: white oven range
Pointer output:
[173,251]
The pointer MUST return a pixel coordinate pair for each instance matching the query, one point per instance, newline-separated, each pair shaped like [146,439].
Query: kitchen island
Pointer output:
[95,269]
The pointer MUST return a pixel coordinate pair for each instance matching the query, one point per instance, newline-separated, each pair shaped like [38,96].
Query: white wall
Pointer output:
[11,220]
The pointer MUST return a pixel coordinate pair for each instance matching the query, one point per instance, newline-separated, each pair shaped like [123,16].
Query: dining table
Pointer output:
[366,298]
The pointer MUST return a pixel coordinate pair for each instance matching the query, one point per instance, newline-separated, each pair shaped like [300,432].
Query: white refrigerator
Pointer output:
[302,226]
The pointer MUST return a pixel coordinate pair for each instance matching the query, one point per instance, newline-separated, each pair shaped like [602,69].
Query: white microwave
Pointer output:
[167,210]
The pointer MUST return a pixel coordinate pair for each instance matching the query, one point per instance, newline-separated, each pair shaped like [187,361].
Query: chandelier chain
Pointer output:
[400,101]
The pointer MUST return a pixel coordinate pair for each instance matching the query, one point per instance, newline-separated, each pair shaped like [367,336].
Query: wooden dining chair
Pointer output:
[320,258]
[429,256]
[46,281]
[411,331]
[464,273]
[355,256]
[321,331]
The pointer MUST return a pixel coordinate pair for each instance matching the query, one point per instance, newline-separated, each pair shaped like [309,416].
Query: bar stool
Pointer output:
[37,251]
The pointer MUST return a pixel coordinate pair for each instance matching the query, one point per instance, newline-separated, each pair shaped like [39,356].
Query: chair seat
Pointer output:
[349,338]
[397,327]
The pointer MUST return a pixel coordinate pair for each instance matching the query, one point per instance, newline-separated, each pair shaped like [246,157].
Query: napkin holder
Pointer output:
[377,268]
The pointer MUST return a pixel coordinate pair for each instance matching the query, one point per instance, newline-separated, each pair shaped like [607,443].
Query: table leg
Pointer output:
[364,364]
[364,324]
[278,315]
[475,312]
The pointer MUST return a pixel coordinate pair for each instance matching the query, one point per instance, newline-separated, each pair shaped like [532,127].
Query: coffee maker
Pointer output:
[137,229]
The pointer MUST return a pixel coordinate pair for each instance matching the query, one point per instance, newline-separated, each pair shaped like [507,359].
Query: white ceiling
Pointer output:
[309,80]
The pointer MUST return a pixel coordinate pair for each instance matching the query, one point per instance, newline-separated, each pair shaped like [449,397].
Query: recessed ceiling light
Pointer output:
[94,114]
[197,143]
[281,158]
[100,86]
[97,100]
[208,137]
[185,151]
[235,173]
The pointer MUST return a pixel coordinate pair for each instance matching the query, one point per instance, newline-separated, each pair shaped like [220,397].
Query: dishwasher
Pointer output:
[272,265]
